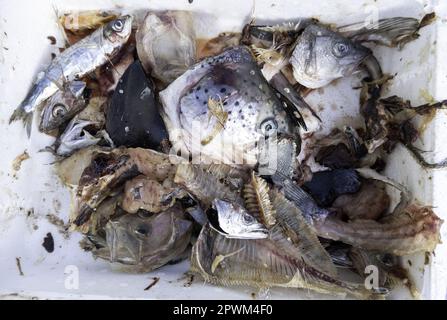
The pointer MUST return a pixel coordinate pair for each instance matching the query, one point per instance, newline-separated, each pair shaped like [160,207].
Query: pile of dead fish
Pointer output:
[177,150]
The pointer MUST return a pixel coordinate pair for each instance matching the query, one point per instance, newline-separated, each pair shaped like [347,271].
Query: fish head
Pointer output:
[225,107]
[118,31]
[321,56]
[166,44]
[235,222]
[60,108]
[145,238]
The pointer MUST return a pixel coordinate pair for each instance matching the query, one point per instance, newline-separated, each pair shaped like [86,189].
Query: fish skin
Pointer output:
[321,56]
[72,64]
[236,222]
[143,242]
[166,44]
[252,106]
[62,106]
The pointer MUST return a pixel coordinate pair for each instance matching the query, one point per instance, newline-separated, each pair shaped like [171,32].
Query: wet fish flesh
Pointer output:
[109,170]
[370,202]
[150,195]
[72,64]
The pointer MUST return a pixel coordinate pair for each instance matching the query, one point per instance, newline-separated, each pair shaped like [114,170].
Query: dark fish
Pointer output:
[326,186]
[132,118]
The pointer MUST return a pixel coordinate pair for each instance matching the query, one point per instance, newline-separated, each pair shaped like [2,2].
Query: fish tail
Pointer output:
[26,117]
[391,32]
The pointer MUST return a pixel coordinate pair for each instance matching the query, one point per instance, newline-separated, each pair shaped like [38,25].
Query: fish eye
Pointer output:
[59,110]
[268,127]
[341,49]
[248,218]
[142,231]
[118,25]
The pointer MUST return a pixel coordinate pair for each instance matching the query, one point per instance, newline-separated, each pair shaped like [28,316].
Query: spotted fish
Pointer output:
[222,109]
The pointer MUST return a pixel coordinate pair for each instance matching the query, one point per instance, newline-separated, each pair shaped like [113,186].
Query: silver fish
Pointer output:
[166,44]
[221,108]
[62,106]
[143,242]
[321,56]
[234,221]
[72,64]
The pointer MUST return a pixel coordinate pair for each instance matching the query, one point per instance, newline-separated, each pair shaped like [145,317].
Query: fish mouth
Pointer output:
[254,234]
[351,65]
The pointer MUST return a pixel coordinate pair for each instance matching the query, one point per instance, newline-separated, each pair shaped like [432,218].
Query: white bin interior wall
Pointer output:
[26,197]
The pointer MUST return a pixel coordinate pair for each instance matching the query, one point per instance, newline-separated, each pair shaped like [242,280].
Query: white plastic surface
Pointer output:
[27,196]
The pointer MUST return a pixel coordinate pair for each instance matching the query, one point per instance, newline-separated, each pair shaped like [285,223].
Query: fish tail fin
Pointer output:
[390,32]
[26,117]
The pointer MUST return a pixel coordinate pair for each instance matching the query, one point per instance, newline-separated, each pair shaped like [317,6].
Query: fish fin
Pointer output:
[421,160]
[303,238]
[260,263]
[77,88]
[26,117]
[389,32]
[291,96]
[311,211]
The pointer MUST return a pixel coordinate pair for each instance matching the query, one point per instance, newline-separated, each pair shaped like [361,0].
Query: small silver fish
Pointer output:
[73,63]
[62,106]
[233,221]
[321,56]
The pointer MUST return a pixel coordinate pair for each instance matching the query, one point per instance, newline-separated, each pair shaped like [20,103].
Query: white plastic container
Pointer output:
[28,195]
